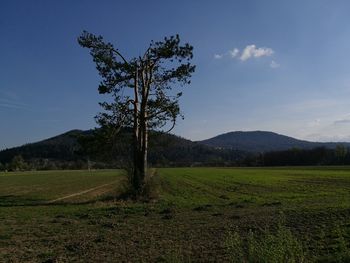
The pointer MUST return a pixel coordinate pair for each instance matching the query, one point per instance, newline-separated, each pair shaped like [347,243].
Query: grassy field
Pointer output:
[189,215]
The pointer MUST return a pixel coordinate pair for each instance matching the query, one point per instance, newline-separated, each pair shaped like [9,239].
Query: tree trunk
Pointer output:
[140,156]
[137,171]
[140,160]
[144,149]
[140,134]
[137,177]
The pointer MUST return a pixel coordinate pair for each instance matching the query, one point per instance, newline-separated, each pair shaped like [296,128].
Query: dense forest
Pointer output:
[317,156]
[90,149]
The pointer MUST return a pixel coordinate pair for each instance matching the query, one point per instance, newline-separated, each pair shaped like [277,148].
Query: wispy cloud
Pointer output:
[330,128]
[47,120]
[10,106]
[10,101]
[320,137]
[314,123]
[234,52]
[251,51]
[8,94]
[274,64]
[311,105]
[342,121]
[218,56]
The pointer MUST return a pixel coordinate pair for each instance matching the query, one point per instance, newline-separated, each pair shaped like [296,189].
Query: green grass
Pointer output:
[31,188]
[188,219]
[281,246]
[292,187]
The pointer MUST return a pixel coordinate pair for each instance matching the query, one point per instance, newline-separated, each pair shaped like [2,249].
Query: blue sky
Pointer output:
[281,66]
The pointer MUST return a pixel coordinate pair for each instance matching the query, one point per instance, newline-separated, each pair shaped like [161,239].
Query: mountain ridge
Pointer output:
[165,149]
[263,141]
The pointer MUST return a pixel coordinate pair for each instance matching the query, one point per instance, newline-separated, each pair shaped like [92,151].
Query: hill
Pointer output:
[75,148]
[79,149]
[262,141]
[61,147]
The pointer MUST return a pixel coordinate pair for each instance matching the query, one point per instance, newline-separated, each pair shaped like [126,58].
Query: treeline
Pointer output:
[182,156]
[299,157]
[18,163]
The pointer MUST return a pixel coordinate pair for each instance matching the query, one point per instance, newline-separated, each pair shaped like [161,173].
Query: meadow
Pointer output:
[186,215]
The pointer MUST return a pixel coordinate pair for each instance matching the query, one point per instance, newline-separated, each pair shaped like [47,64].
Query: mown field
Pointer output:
[188,214]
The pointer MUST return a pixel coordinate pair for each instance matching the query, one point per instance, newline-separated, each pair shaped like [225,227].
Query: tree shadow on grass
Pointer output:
[13,201]
[124,193]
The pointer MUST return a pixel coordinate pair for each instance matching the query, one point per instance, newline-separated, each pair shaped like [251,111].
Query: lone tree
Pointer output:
[141,89]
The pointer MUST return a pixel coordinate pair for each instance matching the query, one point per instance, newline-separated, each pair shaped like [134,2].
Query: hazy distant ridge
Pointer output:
[262,141]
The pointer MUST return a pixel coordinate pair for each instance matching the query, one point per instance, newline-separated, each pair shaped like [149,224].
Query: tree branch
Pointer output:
[120,55]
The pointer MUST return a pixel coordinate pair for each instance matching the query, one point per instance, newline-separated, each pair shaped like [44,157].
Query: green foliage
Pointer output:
[340,153]
[176,255]
[18,164]
[150,78]
[266,247]
[234,246]
[343,245]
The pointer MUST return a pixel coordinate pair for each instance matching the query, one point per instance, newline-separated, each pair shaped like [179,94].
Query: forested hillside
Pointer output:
[78,149]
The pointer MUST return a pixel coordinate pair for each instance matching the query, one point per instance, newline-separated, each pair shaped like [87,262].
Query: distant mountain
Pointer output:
[62,147]
[262,141]
[77,146]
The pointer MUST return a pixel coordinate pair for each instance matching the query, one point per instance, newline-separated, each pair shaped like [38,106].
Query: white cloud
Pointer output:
[314,123]
[218,56]
[274,64]
[251,51]
[342,121]
[234,52]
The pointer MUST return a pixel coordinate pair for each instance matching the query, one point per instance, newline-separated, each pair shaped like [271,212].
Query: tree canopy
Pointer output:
[141,88]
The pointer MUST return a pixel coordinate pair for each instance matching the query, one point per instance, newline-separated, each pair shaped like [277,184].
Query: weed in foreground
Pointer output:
[265,247]
[342,253]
